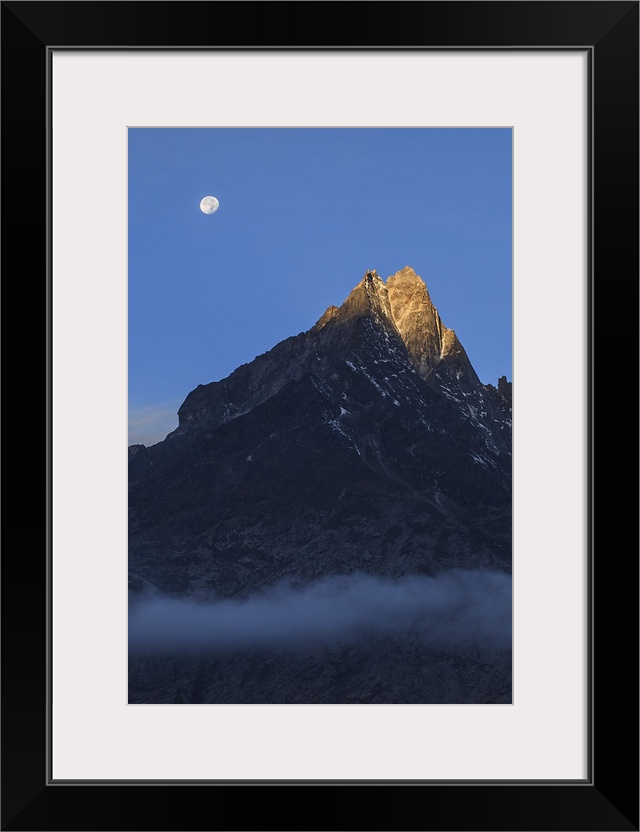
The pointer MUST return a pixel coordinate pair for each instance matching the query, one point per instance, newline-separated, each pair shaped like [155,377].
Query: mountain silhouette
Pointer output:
[366,445]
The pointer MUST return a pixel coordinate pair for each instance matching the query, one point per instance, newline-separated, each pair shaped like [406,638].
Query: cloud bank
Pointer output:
[151,424]
[454,607]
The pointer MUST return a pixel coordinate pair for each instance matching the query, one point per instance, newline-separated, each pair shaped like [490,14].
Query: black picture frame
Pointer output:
[608,798]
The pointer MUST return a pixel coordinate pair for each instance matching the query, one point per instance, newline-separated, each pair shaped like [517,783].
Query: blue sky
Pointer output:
[303,213]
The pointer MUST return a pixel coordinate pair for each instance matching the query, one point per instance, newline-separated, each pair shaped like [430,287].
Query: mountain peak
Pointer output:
[375,320]
[408,273]
[417,319]
[427,339]
[404,308]
[368,297]
[408,278]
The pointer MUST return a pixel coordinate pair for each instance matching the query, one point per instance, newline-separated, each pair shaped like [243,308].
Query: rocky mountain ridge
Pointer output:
[368,435]
[365,445]
[402,309]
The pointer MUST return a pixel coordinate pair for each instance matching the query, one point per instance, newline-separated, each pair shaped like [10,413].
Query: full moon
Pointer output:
[209,205]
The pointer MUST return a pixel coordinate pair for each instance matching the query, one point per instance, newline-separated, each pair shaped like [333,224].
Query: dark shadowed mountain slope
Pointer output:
[367,444]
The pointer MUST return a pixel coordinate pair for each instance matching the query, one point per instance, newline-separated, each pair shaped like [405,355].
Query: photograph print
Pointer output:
[320,388]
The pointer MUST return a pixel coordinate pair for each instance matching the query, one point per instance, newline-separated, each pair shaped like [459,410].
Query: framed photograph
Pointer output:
[326,520]
[322,537]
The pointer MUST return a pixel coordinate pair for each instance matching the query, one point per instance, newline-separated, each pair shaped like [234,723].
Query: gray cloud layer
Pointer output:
[151,424]
[462,607]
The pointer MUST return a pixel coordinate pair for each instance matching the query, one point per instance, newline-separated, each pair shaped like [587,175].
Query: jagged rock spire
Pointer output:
[427,339]
[368,297]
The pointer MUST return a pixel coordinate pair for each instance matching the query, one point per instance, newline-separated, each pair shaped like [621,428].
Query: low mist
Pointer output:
[461,607]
